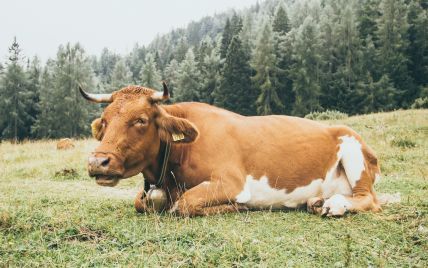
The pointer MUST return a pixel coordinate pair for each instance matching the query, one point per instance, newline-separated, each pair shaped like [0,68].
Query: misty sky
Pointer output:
[42,25]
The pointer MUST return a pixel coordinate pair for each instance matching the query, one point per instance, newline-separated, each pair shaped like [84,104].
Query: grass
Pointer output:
[53,214]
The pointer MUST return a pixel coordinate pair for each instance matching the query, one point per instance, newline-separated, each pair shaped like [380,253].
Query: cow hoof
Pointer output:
[140,202]
[337,205]
[314,205]
[241,207]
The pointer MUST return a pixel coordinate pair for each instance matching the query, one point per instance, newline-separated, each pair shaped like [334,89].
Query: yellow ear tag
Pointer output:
[177,137]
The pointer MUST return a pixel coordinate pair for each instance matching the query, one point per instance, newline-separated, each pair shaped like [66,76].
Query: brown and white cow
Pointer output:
[227,162]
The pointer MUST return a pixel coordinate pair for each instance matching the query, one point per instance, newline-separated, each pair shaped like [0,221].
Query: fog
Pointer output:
[41,26]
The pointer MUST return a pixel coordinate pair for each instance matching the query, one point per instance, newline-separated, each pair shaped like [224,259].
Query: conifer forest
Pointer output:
[276,57]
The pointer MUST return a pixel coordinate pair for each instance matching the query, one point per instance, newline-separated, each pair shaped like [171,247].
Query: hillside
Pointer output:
[275,57]
[50,217]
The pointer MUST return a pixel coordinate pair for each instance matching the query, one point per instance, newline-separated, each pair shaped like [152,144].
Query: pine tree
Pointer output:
[375,96]
[349,56]
[67,113]
[171,76]
[158,61]
[418,46]
[264,62]
[182,48]
[385,93]
[329,98]
[203,50]
[368,97]
[233,27]
[121,75]
[106,65]
[188,83]
[306,8]
[235,92]
[226,38]
[368,14]
[306,68]
[42,128]
[282,47]
[246,34]
[135,61]
[393,44]
[16,101]
[236,24]
[150,76]
[342,57]
[210,74]
[369,58]
[281,23]
[34,76]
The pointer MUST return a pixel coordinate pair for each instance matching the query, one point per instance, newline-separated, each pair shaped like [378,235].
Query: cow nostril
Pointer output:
[105,162]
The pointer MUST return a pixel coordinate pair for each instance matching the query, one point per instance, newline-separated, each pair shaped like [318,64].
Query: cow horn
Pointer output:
[99,98]
[161,96]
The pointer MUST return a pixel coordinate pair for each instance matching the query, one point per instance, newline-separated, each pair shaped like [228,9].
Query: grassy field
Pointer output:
[52,216]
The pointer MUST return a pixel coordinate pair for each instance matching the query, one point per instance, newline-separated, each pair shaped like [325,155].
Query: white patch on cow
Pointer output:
[352,158]
[205,183]
[336,205]
[259,194]
[336,182]
[377,178]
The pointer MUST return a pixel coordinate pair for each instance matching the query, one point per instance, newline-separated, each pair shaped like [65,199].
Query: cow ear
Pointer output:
[176,130]
[97,129]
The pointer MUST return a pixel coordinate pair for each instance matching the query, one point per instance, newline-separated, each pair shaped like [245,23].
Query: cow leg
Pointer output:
[363,199]
[314,205]
[208,198]
[140,202]
[338,204]
[361,170]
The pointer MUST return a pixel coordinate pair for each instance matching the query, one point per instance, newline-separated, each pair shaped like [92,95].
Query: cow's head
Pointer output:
[131,129]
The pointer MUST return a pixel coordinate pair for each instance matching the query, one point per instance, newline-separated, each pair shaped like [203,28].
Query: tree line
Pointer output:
[277,57]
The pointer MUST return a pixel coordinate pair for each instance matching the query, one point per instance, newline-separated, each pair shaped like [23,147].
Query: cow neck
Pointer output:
[165,152]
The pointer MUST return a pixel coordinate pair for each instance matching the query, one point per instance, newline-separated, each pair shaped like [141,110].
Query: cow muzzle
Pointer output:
[106,168]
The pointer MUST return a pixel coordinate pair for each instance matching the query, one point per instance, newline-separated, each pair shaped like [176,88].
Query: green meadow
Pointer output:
[53,214]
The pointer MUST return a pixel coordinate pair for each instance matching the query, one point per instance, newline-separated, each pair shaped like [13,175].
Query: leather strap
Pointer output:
[164,165]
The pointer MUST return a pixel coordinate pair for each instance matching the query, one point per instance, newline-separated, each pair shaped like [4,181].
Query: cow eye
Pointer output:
[141,122]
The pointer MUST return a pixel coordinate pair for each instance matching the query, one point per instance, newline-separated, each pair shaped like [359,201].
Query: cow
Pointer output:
[215,161]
